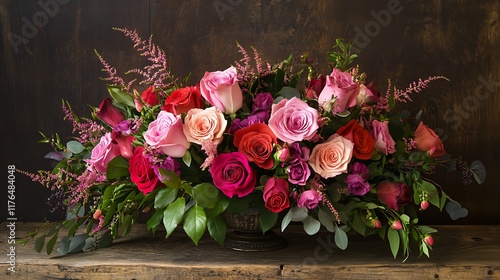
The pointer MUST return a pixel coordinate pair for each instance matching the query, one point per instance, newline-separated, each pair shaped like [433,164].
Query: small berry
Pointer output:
[97,214]
[424,205]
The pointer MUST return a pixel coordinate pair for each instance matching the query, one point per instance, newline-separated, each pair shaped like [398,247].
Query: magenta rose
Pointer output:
[293,120]
[276,194]
[340,92]
[315,87]
[221,89]
[166,133]
[383,139]
[233,175]
[393,194]
[298,173]
[103,153]
[309,199]
[109,113]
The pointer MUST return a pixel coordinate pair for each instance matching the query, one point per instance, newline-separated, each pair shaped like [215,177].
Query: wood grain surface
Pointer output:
[460,252]
[401,40]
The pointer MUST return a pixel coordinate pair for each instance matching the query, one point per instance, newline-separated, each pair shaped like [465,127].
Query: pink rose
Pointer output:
[356,184]
[293,120]
[165,133]
[427,140]
[233,175]
[204,125]
[341,90]
[393,194]
[109,113]
[365,96]
[276,193]
[103,153]
[309,199]
[221,89]
[332,157]
[383,139]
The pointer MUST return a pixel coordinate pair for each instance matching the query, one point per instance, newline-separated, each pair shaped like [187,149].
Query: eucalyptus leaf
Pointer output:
[311,225]
[299,214]
[455,210]
[39,242]
[50,244]
[341,239]
[75,147]
[326,220]
[479,171]
[286,220]
[289,92]
[63,246]
[76,243]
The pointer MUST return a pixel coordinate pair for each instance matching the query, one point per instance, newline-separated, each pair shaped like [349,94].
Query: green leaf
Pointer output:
[267,219]
[106,240]
[120,96]
[433,193]
[205,195]
[424,249]
[311,225]
[109,214]
[286,220]
[426,229]
[238,204]
[75,147]
[358,225]
[341,239]
[154,221]
[117,168]
[164,197]
[76,243]
[75,226]
[127,222]
[299,214]
[39,242]
[404,218]
[219,207]
[52,241]
[172,216]
[186,158]
[195,223]
[393,237]
[217,229]
[170,178]
[289,92]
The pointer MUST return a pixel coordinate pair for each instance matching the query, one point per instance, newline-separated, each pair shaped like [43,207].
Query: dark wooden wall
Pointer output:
[459,39]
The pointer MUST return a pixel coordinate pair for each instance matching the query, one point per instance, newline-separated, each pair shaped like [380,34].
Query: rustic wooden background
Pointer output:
[459,39]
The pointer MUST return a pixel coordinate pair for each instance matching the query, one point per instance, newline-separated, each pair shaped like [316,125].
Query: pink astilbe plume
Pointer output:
[403,96]
[89,130]
[247,73]
[157,73]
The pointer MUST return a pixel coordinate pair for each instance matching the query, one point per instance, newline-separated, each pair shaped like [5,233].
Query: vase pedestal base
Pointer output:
[254,241]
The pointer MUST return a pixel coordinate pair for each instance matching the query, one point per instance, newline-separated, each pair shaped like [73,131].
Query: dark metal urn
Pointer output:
[246,234]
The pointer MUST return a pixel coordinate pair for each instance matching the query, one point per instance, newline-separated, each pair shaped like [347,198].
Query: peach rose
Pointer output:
[204,125]
[331,158]
[427,140]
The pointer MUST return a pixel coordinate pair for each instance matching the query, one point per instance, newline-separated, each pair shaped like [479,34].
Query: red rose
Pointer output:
[364,145]
[393,194]
[183,99]
[149,96]
[427,140]
[256,142]
[276,194]
[109,113]
[141,172]
[315,87]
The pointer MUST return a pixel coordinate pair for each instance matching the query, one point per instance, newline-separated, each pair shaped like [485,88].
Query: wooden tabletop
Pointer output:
[460,252]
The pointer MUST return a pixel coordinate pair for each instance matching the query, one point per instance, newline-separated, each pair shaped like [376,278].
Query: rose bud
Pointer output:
[376,224]
[397,225]
[424,205]
[429,240]
[97,214]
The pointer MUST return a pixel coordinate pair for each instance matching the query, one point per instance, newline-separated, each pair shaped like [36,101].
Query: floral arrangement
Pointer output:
[323,150]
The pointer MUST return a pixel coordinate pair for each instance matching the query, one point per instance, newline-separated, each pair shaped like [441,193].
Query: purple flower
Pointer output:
[298,153]
[361,169]
[309,199]
[298,173]
[237,124]
[357,185]
[169,164]
[262,102]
